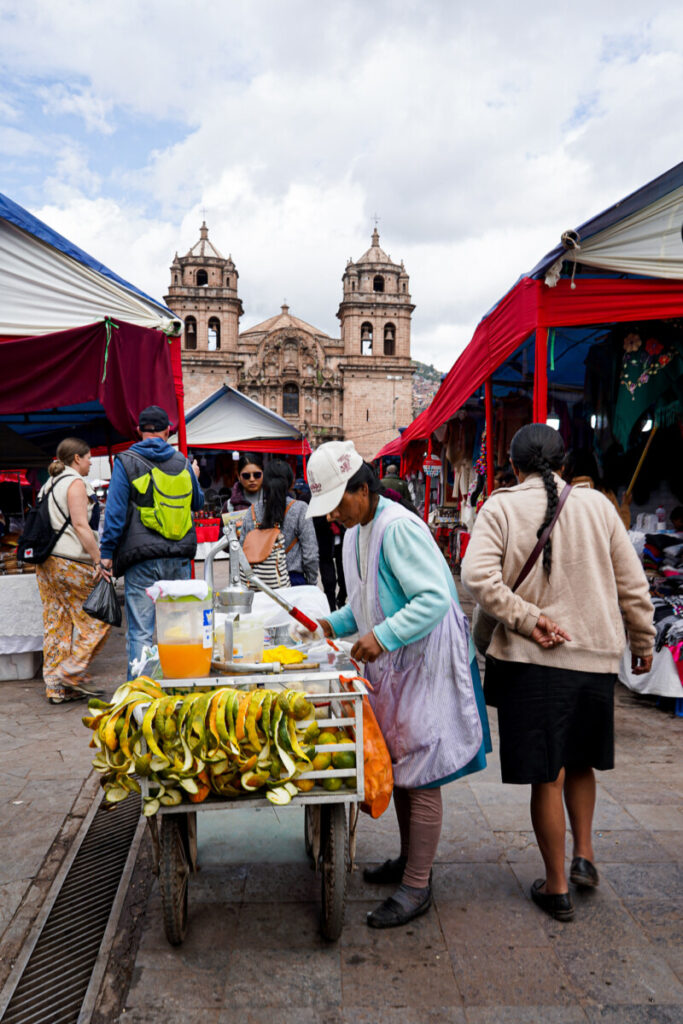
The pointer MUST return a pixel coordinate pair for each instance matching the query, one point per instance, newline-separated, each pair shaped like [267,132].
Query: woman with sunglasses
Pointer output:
[247,487]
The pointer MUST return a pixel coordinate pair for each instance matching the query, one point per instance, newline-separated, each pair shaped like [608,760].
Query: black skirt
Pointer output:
[552,718]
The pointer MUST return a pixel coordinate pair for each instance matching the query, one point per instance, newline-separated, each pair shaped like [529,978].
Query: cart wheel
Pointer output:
[334,855]
[309,828]
[174,873]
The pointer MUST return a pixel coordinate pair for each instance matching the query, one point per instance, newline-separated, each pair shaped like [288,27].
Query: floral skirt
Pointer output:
[72,638]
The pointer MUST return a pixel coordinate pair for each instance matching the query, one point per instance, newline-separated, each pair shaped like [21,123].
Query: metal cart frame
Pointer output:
[329,832]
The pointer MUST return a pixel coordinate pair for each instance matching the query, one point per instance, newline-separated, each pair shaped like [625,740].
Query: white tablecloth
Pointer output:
[21,628]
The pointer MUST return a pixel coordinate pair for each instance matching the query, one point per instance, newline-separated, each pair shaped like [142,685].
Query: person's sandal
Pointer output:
[556,904]
[584,874]
[389,873]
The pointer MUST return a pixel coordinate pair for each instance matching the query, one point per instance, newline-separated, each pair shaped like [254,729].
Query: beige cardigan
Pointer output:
[596,577]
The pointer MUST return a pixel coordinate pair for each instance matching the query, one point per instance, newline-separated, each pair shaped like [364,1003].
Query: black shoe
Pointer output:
[389,873]
[584,873]
[558,905]
[391,914]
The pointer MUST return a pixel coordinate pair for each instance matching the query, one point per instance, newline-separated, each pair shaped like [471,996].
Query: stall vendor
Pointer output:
[414,639]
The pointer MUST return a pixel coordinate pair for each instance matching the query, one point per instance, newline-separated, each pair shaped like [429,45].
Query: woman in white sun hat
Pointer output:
[414,639]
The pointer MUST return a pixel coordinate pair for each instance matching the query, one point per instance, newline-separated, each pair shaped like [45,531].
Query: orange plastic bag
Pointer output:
[379,775]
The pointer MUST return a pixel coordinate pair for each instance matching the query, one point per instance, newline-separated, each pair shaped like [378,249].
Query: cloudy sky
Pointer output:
[476,134]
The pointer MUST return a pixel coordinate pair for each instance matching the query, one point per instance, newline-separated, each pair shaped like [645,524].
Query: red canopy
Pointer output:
[533,305]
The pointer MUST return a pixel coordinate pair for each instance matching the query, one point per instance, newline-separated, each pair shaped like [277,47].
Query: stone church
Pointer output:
[357,386]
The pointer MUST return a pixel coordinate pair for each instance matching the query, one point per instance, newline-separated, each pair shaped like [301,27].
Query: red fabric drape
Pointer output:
[66,368]
[177,369]
[283,447]
[532,304]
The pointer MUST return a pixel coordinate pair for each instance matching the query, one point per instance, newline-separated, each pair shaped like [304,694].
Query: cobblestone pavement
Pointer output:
[483,955]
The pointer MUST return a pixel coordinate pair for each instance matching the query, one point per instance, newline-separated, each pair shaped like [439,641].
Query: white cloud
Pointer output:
[59,99]
[478,135]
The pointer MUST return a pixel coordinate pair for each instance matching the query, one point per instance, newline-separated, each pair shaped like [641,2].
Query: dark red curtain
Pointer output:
[67,368]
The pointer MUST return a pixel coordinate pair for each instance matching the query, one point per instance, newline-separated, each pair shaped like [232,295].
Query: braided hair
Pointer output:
[538,448]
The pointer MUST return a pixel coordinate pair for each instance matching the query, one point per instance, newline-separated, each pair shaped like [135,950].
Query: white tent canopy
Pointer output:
[49,284]
[640,235]
[230,418]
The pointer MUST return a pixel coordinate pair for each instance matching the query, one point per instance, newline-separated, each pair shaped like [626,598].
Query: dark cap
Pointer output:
[153,418]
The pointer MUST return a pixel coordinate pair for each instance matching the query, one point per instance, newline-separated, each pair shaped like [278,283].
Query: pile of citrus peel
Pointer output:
[226,741]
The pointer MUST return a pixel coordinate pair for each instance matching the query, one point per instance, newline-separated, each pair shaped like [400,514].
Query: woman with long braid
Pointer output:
[555,683]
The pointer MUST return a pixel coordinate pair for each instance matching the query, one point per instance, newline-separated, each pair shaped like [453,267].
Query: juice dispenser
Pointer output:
[185,636]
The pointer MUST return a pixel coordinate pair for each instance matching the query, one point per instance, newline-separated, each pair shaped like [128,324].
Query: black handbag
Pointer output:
[493,677]
[103,604]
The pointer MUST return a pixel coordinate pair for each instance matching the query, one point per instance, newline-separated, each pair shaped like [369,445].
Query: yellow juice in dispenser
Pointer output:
[183,661]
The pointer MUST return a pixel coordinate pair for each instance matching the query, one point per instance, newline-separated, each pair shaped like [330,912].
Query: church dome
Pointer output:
[204,249]
[375,254]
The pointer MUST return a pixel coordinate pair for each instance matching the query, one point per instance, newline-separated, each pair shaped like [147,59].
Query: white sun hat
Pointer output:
[329,469]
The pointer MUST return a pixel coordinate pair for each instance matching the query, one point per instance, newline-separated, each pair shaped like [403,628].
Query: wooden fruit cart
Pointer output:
[330,818]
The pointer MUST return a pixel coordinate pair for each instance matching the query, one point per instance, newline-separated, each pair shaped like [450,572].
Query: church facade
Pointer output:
[357,386]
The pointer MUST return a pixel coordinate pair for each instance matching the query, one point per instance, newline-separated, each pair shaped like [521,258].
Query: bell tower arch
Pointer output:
[375,314]
[203,293]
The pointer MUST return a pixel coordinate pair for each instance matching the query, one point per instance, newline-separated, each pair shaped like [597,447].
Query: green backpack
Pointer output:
[170,513]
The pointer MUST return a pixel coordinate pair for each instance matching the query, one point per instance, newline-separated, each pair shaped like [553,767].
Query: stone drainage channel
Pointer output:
[57,978]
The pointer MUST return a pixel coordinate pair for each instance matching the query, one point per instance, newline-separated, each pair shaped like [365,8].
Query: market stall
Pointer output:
[590,341]
[82,351]
[230,422]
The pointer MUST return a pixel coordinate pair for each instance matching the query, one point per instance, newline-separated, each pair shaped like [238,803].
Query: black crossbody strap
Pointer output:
[540,544]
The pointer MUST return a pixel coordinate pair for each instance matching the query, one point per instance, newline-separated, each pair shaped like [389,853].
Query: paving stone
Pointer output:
[471,883]
[487,793]
[164,1015]
[521,847]
[633,881]
[620,846]
[211,936]
[298,927]
[662,817]
[172,989]
[404,1015]
[507,817]
[289,883]
[661,918]
[492,977]
[11,895]
[482,925]
[265,1015]
[625,975]
[282,978]
[635,1014]
[472,847]
[218,885]
[609,815]
[525,1015]
[633,792]
[377,979]
[672,843]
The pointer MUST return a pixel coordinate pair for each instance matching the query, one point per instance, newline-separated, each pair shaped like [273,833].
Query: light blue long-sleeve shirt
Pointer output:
[415,586]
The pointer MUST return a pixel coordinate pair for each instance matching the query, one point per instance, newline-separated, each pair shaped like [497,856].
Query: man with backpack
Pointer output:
[148,533]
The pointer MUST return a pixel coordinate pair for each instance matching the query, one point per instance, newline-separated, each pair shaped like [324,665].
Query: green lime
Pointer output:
[326,737]
[332,784]
[344,759]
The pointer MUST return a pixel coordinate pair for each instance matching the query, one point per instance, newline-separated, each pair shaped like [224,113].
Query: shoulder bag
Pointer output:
[266,553]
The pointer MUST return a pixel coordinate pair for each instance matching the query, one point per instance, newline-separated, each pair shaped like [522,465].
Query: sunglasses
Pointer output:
[251,476]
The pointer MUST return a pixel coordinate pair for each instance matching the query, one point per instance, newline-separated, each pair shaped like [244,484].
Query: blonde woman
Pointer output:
[71,637]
